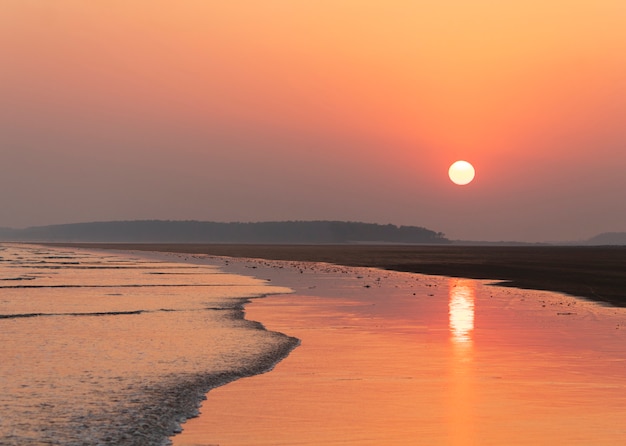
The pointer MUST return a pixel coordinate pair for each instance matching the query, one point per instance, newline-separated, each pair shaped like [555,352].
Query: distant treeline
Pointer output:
[160,231]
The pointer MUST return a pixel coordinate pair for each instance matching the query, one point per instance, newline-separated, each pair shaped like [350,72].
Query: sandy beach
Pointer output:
[118,348]
[399,358]
[594,272]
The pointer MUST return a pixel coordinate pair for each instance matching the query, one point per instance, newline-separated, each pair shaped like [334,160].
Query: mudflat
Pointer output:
[594,272]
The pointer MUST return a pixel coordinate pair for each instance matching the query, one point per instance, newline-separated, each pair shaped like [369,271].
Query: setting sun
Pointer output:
[461,173]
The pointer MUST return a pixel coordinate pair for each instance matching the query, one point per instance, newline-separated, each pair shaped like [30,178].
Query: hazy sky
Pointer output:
[316,109]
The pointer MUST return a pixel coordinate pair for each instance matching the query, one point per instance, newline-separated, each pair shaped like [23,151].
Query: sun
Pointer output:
[461,173]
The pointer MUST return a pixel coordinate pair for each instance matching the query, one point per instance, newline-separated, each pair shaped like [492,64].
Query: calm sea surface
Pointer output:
[402,359]
[118,349]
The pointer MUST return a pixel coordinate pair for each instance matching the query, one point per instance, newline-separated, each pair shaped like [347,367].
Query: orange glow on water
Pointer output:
[462,387]
[423,368]
[461,310]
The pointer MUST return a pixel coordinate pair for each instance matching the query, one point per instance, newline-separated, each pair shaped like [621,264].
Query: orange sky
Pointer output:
[351,110]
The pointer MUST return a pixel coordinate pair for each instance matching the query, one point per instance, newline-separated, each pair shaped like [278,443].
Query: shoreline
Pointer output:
[594,273]
[121,347]
[400,336]
[398,358]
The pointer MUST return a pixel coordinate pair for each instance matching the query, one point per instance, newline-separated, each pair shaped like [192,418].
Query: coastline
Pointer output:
[400,358]
[595,273]
[120,348]
[535,355]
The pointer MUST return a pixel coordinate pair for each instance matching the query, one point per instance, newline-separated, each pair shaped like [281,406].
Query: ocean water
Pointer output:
[114,348]
[390,358]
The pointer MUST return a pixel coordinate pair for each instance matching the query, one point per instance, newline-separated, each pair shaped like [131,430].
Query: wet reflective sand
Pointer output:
[394,358]
[115,348]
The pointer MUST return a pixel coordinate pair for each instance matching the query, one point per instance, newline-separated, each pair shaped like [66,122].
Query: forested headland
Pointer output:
[165,231]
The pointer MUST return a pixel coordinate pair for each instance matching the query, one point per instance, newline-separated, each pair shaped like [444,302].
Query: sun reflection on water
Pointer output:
[461,387]
[461,310]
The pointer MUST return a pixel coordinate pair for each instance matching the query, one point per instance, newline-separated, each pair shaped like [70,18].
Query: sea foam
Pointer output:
[113,348]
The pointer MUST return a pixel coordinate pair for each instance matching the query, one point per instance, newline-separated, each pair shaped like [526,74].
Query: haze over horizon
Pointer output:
[293,110]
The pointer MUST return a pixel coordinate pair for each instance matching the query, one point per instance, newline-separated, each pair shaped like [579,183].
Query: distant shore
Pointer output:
[592,272]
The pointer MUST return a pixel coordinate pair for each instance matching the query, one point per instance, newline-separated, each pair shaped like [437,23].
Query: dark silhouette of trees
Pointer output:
[162,231]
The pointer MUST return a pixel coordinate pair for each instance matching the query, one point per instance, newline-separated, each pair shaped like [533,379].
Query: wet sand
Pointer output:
[396,358]
[593,272]
[404,359]
[114,348]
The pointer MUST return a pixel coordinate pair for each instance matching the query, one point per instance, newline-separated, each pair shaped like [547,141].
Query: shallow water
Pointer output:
[403,359]
[116,348]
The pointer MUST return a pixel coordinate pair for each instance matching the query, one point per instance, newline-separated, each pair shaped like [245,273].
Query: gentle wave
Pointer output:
[76,371]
